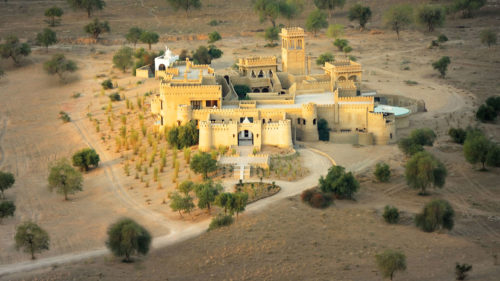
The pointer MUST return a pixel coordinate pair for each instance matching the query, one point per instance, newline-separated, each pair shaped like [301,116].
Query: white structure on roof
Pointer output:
[165,61]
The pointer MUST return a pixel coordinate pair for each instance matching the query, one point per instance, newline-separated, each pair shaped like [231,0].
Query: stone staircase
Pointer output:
[242,172]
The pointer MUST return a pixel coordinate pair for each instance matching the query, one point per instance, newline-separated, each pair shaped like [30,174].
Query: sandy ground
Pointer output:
[277,243]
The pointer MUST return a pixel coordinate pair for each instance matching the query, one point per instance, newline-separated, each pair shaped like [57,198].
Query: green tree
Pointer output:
[7,180]
[149,37]
[85,158]
[323,131]
[360,13]
[134,35]
[390,261]
[398,17]
[96,28]
[185,5]
[493,157]
[494,102]
[89,6]
[468,6]
[436,214]
[272,34]
[382,172]
[181,203]
[391,214]
[329,5]
[326,57]
[424,170]
[64,179]
[316,21]
[123,58]
[220,221]
[224,200]
[267,10]
[59,65]
[52,13]
[476,148]
[338,182]
[7,209]
[290,9]
[32,238]
[46,38]
[126,238]
[431,16]
[239,202]
[441,65]
[187,135]
[206,193]
[241,91]
[201,55]
[202,163]
[340,43]
[488,37]
[335,31]
[186,187]
[12,48]
[214,52]
[214,36]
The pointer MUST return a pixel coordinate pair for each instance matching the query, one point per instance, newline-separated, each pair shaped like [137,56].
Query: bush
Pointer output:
[486,113]
[214,52]
[390,261]
[241,91]
[316,198]
[114,97]
[391,214]
[220,221]
[213,23]
[457,135]
[435,215]
[461,270]
[360,13]
[338,182]
[424,170]
[424,136]
[214,36]
[488,37]
[494,102]
[442,38]
[382,172]
[272,34]
[107,84]
[64,117]
[409,147]
[441,65]
[430,16]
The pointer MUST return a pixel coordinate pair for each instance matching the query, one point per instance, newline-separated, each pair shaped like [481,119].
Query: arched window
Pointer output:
[263,121]
[261,74]
[314,121]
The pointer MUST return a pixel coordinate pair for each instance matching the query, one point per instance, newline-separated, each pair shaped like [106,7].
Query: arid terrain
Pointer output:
[278,238]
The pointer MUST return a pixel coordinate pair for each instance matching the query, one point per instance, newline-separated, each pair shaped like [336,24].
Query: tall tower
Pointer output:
[293,53]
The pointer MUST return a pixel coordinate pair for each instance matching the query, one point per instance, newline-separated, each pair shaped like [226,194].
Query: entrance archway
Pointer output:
[161,67]
[245,138]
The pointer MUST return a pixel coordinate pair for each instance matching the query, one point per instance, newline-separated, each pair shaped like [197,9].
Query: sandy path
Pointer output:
[317,164]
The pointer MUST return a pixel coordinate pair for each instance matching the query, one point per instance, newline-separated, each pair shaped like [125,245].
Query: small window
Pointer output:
[298,121]
[263,121]
[314,121]
[303,121]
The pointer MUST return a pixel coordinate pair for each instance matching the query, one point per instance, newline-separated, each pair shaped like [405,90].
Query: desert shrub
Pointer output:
[424,136]
[382,172]
[338,182]
[488,37]
[430,16]
[12,48]
[32,238]
[7,180]
[7,209]
[442,38]
[441,65]
[457,135]
[494,102]
[59,65]
[326,57]
[436,214]
[316,20]
[64,179]
[96,28]
[107,84]
[64,117]
[486,113]
[467,6]
[335,30]
[360,13]
[409,147]
[214,36]
[220,221]
[271,34]
[202,163]
[213,23]
[114,97]
[391,214]
[477,148]
[493,156]
[461,270]
[316,198]
[126,238]
[398,17]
